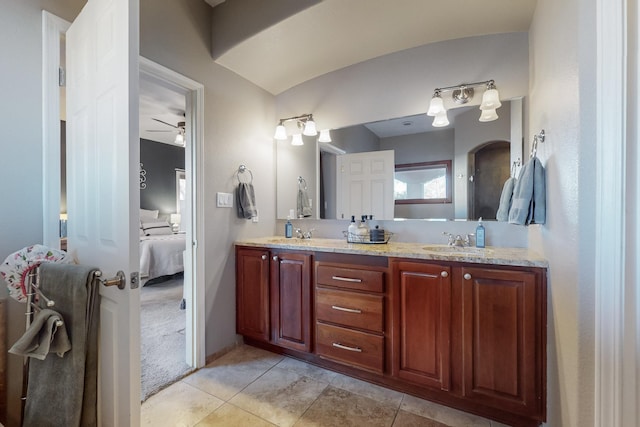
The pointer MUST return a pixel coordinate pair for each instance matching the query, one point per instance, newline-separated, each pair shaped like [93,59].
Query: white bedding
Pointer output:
[161,256]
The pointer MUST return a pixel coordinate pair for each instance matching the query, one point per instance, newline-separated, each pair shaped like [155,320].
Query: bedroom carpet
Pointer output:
[162,335]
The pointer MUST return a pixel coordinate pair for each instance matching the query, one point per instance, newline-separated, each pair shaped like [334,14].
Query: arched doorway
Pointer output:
[488,170]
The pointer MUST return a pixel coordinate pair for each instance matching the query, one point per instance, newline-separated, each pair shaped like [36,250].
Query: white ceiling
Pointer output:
[159,102]
[334,34]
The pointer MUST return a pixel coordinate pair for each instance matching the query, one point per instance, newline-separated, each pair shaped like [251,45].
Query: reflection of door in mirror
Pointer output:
[365,184]
[181,192]
[490,166]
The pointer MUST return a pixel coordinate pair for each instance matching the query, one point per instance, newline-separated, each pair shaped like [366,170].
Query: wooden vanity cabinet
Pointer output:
[504,338]
[273,297]
[422,323]
[291,299]
[350,308]
[252,293]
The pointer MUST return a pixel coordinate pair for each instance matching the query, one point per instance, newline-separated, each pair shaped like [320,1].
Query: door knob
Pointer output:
[467,276]
[444,274]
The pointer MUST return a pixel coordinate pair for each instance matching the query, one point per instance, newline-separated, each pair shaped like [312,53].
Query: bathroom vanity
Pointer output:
[463,327]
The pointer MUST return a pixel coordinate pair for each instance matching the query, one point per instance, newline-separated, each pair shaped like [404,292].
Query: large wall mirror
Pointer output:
[482,156]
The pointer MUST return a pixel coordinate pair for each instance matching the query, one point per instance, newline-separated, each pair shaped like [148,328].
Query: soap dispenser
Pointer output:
[288,228]
[363,229]
[480,234]
[352,230]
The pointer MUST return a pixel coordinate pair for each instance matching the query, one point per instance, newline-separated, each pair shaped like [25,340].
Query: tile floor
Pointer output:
[253,387]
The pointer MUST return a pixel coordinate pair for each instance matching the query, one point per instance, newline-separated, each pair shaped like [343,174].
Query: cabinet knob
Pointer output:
[444,274]
[275,257]
[467,276]
[264,257]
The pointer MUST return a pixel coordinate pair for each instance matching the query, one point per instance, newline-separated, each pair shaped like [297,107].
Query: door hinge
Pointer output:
[62,77]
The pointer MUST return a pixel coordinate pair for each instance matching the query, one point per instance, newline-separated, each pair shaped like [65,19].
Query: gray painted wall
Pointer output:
[160,162]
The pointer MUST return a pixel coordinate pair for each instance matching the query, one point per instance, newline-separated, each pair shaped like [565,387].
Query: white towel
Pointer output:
[529,195]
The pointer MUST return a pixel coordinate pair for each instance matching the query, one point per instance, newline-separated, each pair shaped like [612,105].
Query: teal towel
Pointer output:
[505,200]
[528,205]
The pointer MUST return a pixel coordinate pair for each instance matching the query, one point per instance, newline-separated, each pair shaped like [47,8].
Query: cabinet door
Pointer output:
[252,293]
[291,300]
[502,346]
[422,324]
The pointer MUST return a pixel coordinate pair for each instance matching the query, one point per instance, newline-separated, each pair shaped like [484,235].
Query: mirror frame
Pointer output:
[428,165]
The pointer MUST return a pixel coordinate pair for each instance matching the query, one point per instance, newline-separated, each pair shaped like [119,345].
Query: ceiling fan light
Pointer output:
[441,120]
[436,106]
[325,136]
[310,128]
[281,133]
[490,100]
[488,115]
[297,139]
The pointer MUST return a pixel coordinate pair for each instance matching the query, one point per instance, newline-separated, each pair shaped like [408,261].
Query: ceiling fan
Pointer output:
[180,140]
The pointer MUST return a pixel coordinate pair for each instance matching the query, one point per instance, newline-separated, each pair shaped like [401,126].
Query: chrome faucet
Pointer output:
[304,234]
[458,240]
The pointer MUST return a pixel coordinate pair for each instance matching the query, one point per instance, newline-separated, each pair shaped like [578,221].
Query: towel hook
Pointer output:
[242,169]
[539,137]
[302,183]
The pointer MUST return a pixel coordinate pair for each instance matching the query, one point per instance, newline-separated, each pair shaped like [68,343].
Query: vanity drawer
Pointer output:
[350,278]
[354,348]
[363,311]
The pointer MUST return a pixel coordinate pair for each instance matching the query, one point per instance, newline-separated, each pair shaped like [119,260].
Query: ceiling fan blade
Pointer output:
[168,124]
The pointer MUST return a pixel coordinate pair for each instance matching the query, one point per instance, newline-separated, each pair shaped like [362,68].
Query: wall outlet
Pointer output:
[224,200]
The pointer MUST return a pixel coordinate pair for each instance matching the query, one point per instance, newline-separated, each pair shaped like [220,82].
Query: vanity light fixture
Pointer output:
[462,94]
[306,124]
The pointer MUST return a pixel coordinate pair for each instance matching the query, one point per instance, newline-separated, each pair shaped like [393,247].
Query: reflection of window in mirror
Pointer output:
[427,182]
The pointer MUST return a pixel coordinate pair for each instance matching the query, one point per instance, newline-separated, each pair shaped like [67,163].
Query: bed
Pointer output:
[161,255]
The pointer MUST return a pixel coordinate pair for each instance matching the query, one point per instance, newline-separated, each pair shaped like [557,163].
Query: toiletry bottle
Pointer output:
[363,230]
[480,234]
[352,230]
[288,228]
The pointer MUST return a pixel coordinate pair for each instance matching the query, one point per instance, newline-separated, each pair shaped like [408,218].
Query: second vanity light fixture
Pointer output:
[307,126]
[462,94]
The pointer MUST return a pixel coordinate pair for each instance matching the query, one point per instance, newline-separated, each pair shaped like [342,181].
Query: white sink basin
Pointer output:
[458,250]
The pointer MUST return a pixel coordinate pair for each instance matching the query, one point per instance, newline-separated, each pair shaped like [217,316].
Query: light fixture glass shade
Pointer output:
[179,139]
[490,100]
[297,139]
[281,133]
[488,115]
[325,136]
[436,106]
[310,128]
[441,120]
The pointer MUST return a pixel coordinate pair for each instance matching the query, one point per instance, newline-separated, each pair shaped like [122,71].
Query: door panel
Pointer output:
[102,192]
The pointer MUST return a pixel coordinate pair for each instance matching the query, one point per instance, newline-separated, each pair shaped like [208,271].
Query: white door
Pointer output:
[102,195]
[365,184]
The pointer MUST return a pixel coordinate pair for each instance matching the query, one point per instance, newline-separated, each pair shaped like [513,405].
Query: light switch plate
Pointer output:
[224,200]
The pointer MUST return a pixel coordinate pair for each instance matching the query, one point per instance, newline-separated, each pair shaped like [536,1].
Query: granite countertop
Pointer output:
[522,257]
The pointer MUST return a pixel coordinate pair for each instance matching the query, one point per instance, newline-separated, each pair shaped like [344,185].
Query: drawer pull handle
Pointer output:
[346,347]
[348,310]
[347,279]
